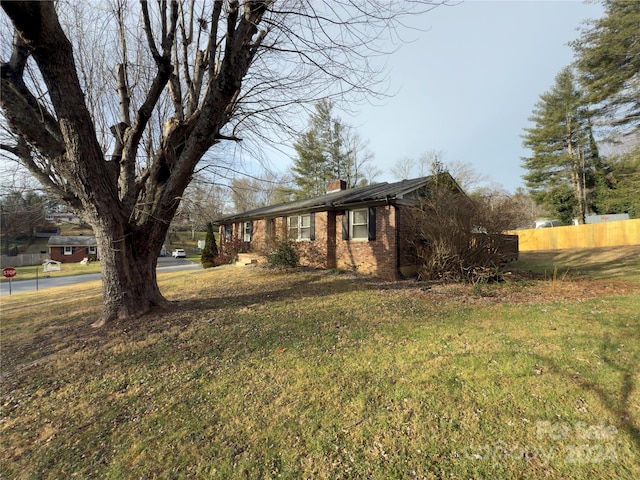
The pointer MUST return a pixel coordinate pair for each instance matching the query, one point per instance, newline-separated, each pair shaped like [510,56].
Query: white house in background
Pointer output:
[62,217]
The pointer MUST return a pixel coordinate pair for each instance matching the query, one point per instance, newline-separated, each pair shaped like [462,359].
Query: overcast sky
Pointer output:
[469,82]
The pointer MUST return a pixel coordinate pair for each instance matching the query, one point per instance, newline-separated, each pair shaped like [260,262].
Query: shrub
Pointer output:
[454,237]
[285,255]
[210,250]
[228,252]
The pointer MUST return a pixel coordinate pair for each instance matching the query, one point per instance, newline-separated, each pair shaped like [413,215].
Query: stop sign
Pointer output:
[9,272]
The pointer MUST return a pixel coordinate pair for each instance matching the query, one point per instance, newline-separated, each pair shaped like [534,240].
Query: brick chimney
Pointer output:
[336,186]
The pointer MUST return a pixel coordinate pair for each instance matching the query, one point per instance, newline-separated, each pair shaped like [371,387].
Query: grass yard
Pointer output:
[30,272]
[259,374]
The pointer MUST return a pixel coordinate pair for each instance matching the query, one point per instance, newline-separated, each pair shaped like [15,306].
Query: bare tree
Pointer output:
[120,142]
[457,237]
[22,213]
[427,163]
[403,169]
[508,211]
[248,193]
[433,162]
[202,202]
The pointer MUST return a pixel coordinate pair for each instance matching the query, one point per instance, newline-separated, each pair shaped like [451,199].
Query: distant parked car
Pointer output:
[179,253]
[548,223]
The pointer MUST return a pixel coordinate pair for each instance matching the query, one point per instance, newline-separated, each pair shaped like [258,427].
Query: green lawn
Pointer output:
[256,374]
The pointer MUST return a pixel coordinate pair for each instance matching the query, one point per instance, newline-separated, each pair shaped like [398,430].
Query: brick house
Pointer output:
[72,248]
[362,229]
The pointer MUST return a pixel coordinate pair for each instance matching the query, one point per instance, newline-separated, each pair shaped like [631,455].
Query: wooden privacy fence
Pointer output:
[605,234]
[23,259]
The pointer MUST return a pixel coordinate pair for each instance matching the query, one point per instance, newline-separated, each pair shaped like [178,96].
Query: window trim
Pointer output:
[348,224]
[247,231]
[67,250]
[299,228]
[353,224]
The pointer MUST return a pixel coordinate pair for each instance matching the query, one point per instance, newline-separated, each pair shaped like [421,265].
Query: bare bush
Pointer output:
[454,237]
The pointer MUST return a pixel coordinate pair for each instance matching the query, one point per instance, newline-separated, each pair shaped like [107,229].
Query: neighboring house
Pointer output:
[62,217]
[72,248]
[364,229]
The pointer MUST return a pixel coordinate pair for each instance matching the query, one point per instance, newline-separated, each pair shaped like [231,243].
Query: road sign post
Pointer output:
[9,272]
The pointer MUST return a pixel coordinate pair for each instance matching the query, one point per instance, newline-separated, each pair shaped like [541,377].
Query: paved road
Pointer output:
[165,264]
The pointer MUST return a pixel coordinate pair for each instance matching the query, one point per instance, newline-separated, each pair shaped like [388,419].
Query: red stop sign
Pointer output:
[9,272]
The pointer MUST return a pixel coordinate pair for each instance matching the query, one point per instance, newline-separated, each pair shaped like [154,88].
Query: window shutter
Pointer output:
[312,229]
[372,223]
[345,225]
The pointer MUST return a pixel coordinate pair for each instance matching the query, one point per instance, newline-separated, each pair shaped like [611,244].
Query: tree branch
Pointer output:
[133,135]
[22,109]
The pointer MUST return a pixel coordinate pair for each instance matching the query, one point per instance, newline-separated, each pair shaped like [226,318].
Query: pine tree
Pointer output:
[608,60]
[623,178]
[328,150]
[310,171]
[601,186]
[210,250]
[559,142]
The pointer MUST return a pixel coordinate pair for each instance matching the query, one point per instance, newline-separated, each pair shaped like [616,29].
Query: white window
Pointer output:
[300,227]
[359,224]
[93,250]
[68,250]
[247,231]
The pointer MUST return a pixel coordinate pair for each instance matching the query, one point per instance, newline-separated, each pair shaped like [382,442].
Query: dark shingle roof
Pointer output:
[374,193]
[72,241]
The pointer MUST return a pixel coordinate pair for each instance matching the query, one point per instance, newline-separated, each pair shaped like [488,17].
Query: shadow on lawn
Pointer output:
[76,334]
[618,402]
[309,286]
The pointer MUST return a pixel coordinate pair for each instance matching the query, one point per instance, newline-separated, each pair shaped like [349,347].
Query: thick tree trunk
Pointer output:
[128,262]
[578,187]
[128,208]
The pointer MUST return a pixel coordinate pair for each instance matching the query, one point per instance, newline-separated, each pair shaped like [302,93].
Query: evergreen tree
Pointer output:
[328,150]
[562,201]
[210,250]
[623,178]
[310,171]
[560,146]
[608,60]
[601,185]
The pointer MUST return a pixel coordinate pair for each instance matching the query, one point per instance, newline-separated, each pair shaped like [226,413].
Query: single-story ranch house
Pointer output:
[363,229]
[72,248]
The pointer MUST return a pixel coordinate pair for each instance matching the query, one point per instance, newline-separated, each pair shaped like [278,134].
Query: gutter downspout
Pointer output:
[397,220]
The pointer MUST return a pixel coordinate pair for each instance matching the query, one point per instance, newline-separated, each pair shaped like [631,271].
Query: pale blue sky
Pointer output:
[468,84]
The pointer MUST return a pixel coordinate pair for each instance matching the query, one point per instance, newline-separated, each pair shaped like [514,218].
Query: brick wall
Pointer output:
[78,254]
[315,253]
[371,257]
[328,250]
